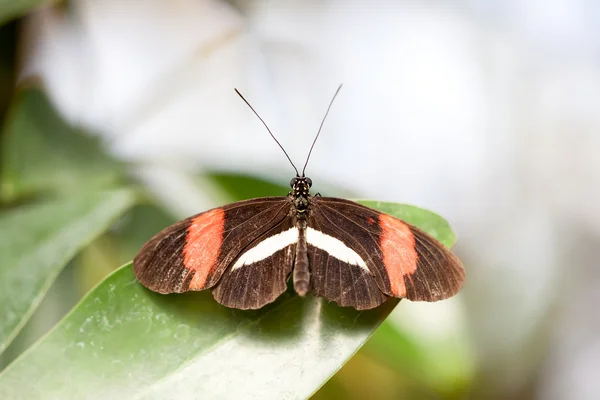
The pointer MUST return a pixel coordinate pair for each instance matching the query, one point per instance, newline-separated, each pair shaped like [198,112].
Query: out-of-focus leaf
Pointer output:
[444,365]
[241,187]
[365,378]
[15,8]
[393,344]
[37,241]
[398,364]
[42,153]
[124,341]
[60,298]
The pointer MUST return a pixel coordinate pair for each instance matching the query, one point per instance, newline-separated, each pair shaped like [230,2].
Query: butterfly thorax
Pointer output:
[300,195]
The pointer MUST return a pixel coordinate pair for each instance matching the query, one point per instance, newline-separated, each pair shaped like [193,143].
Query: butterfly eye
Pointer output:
[309,182]
[293,182]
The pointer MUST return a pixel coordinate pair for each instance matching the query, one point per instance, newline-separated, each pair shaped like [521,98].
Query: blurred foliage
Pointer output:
[38,240]
[10,9]
[42,154]
[240,187]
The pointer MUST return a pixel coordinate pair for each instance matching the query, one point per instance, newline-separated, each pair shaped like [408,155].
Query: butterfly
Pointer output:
[246,251]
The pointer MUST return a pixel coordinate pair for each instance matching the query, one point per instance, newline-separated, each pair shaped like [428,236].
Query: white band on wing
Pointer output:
[271,245]
[267,247]
[335,248]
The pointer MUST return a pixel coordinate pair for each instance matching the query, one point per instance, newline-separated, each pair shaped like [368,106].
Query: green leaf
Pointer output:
[38,240]
[15,8]
[125,341]
[42,153]
[243,186]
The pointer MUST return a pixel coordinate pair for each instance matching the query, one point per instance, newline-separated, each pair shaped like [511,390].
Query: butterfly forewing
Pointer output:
[260,272]
[337,272]
[194,253]
[439,274]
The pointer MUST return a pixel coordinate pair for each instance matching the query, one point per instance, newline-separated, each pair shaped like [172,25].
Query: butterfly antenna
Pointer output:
[320,127]
[271,133]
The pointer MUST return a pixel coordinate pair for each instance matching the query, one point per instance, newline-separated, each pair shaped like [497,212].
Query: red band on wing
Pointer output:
[399,254]
[203,245]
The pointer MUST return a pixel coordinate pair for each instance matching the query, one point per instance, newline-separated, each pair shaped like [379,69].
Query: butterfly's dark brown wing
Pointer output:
[193,254]
[259,274]
[393,258]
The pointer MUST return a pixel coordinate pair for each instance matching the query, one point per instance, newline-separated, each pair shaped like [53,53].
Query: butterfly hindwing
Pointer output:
[194,253]
[337,276]
[396,257]
[346,284]
[259,274]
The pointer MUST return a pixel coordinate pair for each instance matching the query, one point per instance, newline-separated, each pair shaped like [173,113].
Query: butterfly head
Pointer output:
[301,186]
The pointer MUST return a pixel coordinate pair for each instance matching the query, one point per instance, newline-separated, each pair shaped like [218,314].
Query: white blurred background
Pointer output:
[484,111]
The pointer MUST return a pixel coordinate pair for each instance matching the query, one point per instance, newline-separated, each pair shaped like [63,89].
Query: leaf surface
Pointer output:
[36,242]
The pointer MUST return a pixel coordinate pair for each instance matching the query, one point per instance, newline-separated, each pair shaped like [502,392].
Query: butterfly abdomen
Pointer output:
[301,272]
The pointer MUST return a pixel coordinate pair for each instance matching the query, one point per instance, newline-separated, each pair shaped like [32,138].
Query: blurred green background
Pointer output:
[118,118]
